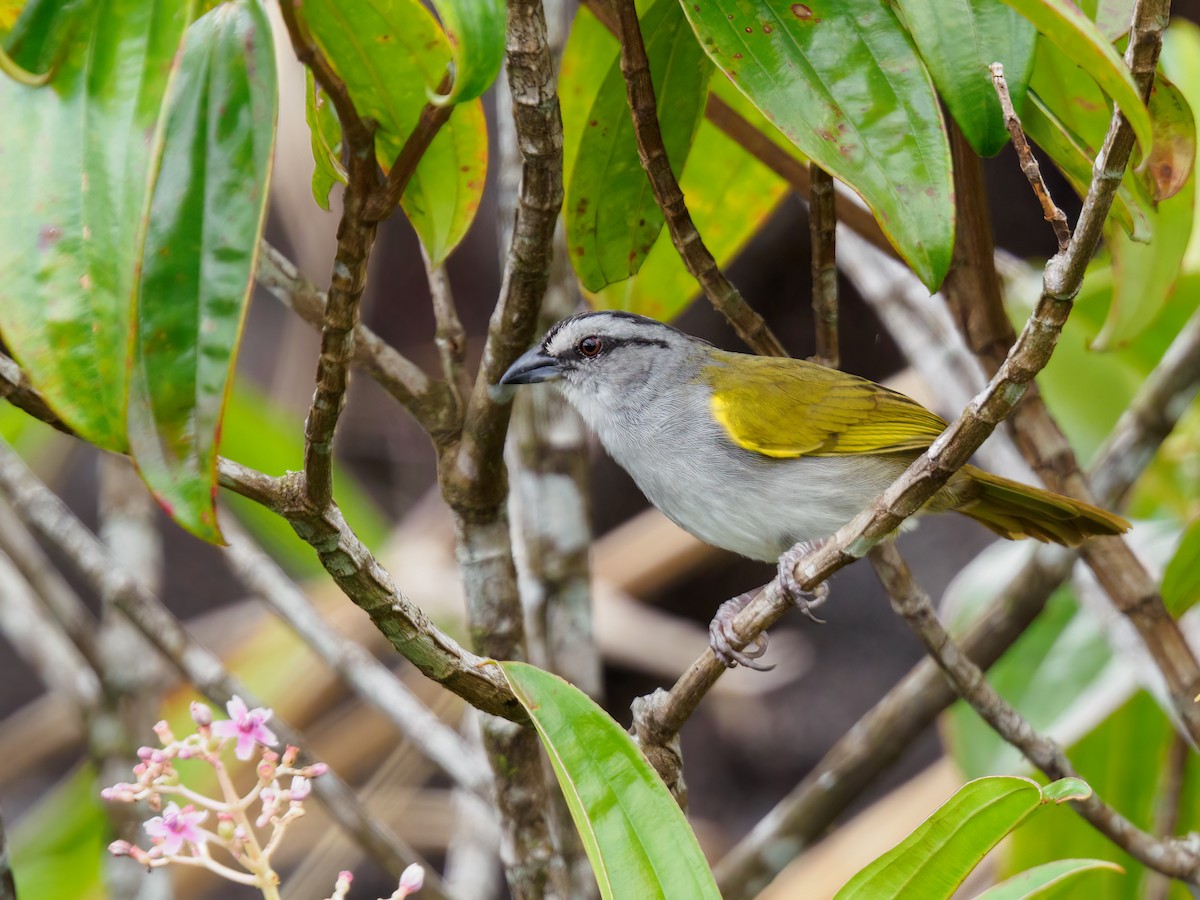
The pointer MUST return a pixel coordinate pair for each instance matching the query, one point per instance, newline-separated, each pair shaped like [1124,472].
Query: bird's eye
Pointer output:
[590,346]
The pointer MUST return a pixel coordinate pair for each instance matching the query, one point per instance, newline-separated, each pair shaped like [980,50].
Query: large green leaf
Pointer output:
[1125,761]
[725,212]
[842,79]
[636,837]
[611,214]
[1145,274]
[206,218]
[476,31]
[392,54]
[935,858]
[1062,22]
[75,164]
[58,846]
[959,40]
[1047,879]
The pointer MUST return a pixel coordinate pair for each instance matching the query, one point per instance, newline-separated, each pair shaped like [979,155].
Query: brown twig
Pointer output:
[48,516]
[1029,164]
[429,123]
[1166,818]
[1167,855]
[635,66]
[879,737]
[658,719]
[428,401]
[449,336]
[822,221]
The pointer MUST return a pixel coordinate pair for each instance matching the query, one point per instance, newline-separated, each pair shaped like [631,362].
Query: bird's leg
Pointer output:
[724,640]
[806,601]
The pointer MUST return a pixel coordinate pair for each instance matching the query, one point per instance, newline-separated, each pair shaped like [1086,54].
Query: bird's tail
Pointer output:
[1014,510]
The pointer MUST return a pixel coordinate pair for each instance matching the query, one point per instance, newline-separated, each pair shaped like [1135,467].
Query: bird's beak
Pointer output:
[533,366]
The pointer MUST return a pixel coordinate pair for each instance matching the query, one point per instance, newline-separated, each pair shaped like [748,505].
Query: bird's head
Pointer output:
[605,353]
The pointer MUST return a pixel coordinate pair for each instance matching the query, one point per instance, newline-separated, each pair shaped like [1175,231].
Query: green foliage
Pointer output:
[206,216]
[959,40]
[475,29]
[392,55]
[843,81]
[57,849]
[943,850]
[636,837]
[326,136]
[611,216]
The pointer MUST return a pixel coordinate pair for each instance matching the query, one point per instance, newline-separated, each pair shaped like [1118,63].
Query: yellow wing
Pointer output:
[786,408]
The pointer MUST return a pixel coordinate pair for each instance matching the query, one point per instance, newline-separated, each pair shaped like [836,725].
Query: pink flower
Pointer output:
[174,827]
[247,725]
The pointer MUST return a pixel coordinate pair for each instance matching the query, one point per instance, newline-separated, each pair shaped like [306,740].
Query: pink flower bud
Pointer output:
[289,755]
[163,730]
[301,788]
[316,770]
[145,752]
[120,848]
[411,880]
[201,714]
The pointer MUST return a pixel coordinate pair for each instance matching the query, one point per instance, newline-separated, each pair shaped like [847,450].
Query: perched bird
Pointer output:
[757,454]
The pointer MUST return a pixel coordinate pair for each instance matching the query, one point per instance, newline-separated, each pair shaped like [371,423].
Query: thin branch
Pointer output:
[49,517]
[1166,816]
[8,887]
[659,718]
[368,677]
[449,336]
[635,66]
[822,221]
[17,390]
[370,586]
[907,710]
[429,123]
[429,402]
[1168,855]
[1029,164]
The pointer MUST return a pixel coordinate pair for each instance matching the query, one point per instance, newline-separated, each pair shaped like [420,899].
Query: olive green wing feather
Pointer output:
[786,408]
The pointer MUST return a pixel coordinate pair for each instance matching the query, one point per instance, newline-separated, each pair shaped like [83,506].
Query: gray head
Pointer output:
[608,357]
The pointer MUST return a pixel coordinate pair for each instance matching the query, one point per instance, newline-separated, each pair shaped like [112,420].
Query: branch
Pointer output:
[449,336]
[657,720]
[1029,164]
[1169,856]
[429,402]
[699,261]
[429,123]
[822,222]
[368,677]
[908,709]
[46,514]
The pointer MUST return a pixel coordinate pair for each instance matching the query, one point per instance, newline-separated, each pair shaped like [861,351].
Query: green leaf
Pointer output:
[58,846]
[1112,17]
[325,133]
[207,213]
[1043,880]
[1181,580]
[935,858]
[611,215]
[842,79]
[724,211]
[77,161]
[392,54]
[1145,275]
[1066,789]
[1062,22]
[959,40]
[476,31]
[636,837]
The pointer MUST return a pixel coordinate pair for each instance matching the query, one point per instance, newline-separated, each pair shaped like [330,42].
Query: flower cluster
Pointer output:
[181,834]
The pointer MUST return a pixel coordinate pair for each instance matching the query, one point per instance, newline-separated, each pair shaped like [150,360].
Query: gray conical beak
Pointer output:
[533,366]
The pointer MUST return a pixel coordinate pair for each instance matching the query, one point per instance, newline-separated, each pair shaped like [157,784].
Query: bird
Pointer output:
[766,456]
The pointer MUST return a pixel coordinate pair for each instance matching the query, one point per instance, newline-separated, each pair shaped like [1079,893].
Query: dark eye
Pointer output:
[590,346]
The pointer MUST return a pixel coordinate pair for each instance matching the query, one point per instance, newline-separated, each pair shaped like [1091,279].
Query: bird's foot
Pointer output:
[724,640]
[805,601]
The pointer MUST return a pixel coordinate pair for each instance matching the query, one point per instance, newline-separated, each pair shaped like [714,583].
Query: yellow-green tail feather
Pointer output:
[1014,510]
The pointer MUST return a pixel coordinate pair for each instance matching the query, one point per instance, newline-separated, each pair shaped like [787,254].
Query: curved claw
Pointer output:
[805,601]
[722,637]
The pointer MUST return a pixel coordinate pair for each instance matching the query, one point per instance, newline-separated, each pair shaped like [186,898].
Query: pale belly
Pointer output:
[760,507]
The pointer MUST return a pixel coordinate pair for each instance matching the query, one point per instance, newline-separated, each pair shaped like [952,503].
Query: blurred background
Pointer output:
[656,588]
